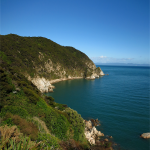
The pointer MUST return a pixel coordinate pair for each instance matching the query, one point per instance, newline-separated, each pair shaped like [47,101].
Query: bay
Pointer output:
[120,100]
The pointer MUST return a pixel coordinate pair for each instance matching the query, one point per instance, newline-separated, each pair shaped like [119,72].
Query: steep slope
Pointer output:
[43,61]
[24,107]
[28,66]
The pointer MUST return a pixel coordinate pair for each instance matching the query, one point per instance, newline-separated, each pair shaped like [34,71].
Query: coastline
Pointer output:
[45,84]
[64,79]
[95,137]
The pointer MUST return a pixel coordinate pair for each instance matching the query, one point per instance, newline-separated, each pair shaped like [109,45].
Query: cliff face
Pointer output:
[44,62]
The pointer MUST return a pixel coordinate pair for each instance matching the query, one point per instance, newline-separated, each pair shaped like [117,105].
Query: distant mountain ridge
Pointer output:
[123,64]
[42,60]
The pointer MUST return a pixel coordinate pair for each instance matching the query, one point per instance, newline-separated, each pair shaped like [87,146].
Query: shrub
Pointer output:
[41,125]
[49,100]
[7,120]
[77,123]
[8,88]
[33,97]
[60,106]
[108,144]
[14,110]
[1,70]
[60,127]
[48,141]
[22,83]
[27,128]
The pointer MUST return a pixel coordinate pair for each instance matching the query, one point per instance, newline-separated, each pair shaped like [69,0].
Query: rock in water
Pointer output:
[91,133]
[145,135]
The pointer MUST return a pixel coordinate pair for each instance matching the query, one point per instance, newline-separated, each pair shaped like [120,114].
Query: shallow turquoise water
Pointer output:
[120,101]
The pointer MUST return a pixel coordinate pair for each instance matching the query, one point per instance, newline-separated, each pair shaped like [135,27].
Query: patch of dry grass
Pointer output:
[41,125]
[7,133]
[27,128]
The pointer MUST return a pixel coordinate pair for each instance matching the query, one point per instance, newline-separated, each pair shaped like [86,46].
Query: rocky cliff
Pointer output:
[44,62]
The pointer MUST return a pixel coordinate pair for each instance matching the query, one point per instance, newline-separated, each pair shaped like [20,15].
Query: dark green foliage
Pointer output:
[29,53]
[61,106]
[107,144]
[22,83]
[23,100]
[48,141]
[8,88]
[14,110]
[4,57]
[33,97]
[7,121]
[57,123]
[49,100]
[60,127]
[77,122]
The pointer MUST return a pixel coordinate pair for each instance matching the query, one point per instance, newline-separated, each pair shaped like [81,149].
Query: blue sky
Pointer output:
[107,31]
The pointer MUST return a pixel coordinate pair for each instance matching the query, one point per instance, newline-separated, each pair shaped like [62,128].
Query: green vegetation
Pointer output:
[34,115]
[28,118]
[29,55]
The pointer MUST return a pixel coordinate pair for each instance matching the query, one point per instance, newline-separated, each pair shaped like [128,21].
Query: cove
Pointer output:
[120,101]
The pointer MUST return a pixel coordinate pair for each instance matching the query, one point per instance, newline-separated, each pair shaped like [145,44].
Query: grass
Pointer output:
[25,111]
[11,138]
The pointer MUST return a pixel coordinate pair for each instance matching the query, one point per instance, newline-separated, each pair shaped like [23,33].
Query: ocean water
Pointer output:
[120,100]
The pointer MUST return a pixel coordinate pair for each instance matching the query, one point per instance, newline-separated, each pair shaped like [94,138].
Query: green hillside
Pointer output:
[35,115]
[30,55]
[28,118]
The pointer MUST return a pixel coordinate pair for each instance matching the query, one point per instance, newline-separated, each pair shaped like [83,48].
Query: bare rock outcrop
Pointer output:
[145,135]
[96,74]
[42,84]
[91,133]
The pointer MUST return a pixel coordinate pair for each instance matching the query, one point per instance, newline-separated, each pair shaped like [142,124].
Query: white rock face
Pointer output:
[145,135]
[45,85]
[42,84]
[91,77]
[91,133]
[94,75]
[102,73]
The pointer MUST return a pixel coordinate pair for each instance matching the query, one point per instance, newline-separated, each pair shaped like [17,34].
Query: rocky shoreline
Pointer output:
[91,133]
[94,136]
[45,85]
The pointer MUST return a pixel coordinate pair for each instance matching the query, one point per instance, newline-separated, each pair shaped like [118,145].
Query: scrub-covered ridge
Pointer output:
[25,111]
[42,60]
[28,118]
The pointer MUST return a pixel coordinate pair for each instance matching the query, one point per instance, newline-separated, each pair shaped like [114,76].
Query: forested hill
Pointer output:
[41,56]
[28,118]
[41,60]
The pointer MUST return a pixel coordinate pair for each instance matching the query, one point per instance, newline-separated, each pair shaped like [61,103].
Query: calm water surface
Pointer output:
[120,101]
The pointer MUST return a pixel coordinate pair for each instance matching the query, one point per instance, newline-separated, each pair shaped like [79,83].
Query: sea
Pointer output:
[120,101]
